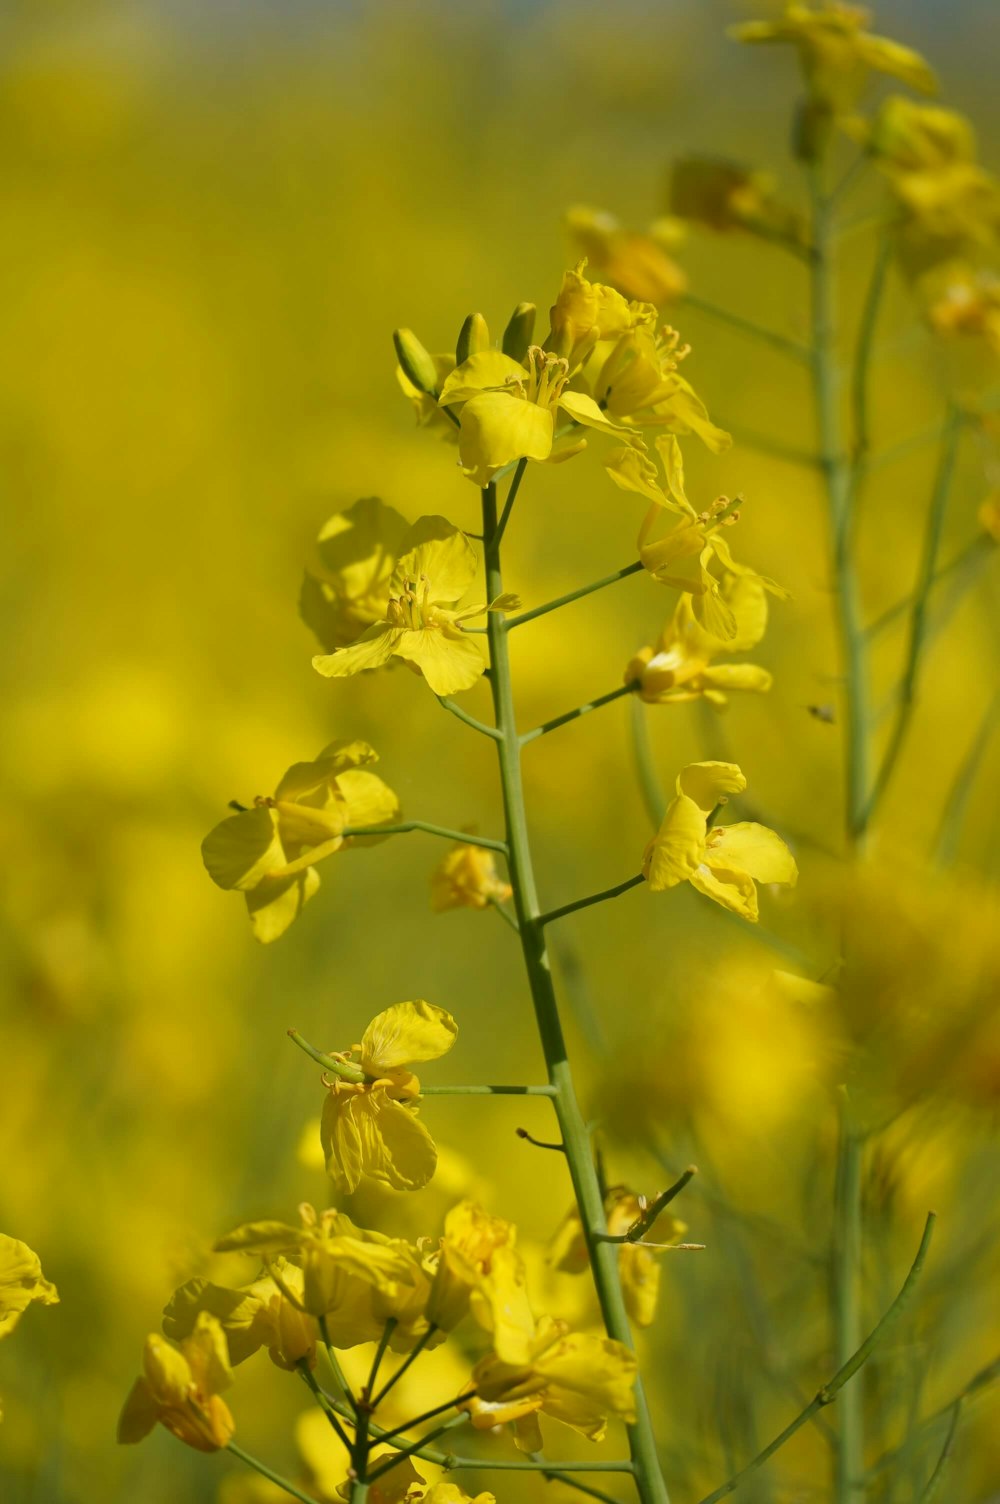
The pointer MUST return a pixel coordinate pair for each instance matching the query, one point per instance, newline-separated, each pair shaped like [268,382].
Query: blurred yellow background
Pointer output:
[213,216]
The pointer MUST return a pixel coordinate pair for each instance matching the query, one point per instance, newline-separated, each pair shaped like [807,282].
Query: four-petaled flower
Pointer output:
[679,665]
[179,1387]
[725,862]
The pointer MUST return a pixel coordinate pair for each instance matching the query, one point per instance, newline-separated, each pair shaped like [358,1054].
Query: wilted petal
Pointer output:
[405,1033]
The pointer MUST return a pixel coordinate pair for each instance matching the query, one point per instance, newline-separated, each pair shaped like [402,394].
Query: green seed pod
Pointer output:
[518,333]
[416,363]
[473,337]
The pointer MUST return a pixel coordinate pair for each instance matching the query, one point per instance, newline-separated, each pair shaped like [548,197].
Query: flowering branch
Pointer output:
[573,715]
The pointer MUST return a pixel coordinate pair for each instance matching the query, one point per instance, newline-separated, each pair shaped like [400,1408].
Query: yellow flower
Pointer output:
[837,52]
[725,196]
[679,666]
[354,1278]
[421,626]
[638,1266]
[267,852]
[346,587]
[988,516]
[180,1388]
[725,862]
[634,378]
[21,1283]
[638,266]
[467,878]
[905,136]
[578,1379]
[478,1269]
[265,1313]
[967,305]
[370,1125]
[450,1493]
[395,1486]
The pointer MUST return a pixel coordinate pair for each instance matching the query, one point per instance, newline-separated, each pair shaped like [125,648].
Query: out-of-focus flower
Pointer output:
[346,586]
[638,1265]
[576,1378]
[179,1387]
[989,516]
[370,1126]
[635,378]
[967,304]
[21,1284]
[267,852]
[467,878]
[396,1486]
[904,136]
[837,51]
[725,862]
[421,626]
[725,196]
[638,265]
[354,1278]
[478,1268]
[678,667]
[269,1313]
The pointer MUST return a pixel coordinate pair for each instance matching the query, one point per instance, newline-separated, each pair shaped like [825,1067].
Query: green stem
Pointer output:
[432,1414]
[417,1447]
[573,715]
[592,898]
[462,836]
[337,1371]
[487,1091]
[267,1473]
[919,612]
[645,1223]
[341,1068]
[840,476]
[573,1129]
[830,1391]
[380,1351]
[508,505]
[572,595]
[504,913]
[790,347]
[324,1403]
[863,349]
[410,1358]
[934,1481]
[984,1379]
[847,1242]
[463,715]
[963,787]
[977,547]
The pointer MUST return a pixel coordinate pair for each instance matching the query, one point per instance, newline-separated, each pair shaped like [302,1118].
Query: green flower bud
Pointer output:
[416,363]
[473,338]
[518,333]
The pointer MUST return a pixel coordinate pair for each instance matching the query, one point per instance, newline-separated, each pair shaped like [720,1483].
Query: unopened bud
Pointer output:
[518,333]
[417,365]
[473,338]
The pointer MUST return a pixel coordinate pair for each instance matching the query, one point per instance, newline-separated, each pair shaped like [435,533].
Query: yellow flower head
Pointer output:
[354,1278]
[180,1388]
[267,1313]
[908,137]
[725,862]
[346,586]
[421,625]
[837,51]
[370,1124]
[467,878]
[679,666]
[725,196]
[21,1283]
[635,378]
[267,852]
[967,305]
[638,1265]
[638,266]
[478,1269]
[578,1379]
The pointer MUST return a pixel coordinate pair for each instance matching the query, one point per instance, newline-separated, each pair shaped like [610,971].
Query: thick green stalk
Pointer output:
[603,1257]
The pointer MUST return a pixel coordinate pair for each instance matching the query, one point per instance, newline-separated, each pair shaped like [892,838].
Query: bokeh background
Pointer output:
[213,215]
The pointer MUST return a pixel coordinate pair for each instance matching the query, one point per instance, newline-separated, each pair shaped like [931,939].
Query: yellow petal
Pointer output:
[632,470]
[707,782]
[678,846]
[751,848]
[499,427]
[139,1415]
[372,649]
[480,373]
[901,62]
[166,1370]
[207,1354]
[243,848]
[21,1282]
[449,660]
[669,449]
[405,1033]
[308,777]
[340,1136]
[369,801]
[410,1156]
[583,409]
[712,611]
[747,676]
[598,1371]
[735,891]
[237,1311]
[277,902]
[438,553]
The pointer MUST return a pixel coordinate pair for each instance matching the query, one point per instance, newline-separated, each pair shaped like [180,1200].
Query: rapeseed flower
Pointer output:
[725,862]
[345,589]
[21,1284]
[637,265]
[467,877]
[678,667]
[573,1377]
[420,624]
[179,1388]
[268,852]
[725,196]
[478,1269]
[270,1312]
[369,1124]
[638,1265]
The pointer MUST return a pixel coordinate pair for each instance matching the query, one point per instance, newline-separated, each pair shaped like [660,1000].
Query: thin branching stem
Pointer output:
[963,787]
[407,1362]
[934,1481]
[505,914]
[269,1474]
[574,715]
[790,347]
[487,1091]
[572,595]
[592,898]
[984,1379]
[324,1402]
[645,1223]
[462,836]
[417,1447]
[508,505]
[463,715]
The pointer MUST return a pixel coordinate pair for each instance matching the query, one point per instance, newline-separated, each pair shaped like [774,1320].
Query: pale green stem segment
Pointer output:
[573,1130]
[572,595]
[432,1414]
[984,1379]
[960,797]
[417,1447]
[487,1091]
[462,836]
[505,914]
[341,1068]
[791,347]
[410,1359]
[574,715]
[321,1398]
[338,1372]
[271,1476]
[863,349]
[508,505]
[840,477]
[934,1481]
[830,1391]
[919,609]
[847,1246]
[592,898]
[645,1223]
[463,715]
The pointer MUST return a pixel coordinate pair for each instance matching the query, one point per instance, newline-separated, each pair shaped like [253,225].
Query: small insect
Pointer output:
[826,713]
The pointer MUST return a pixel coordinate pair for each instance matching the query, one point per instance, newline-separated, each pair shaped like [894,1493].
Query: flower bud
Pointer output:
[519,331]
[417,365]
[473,338]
